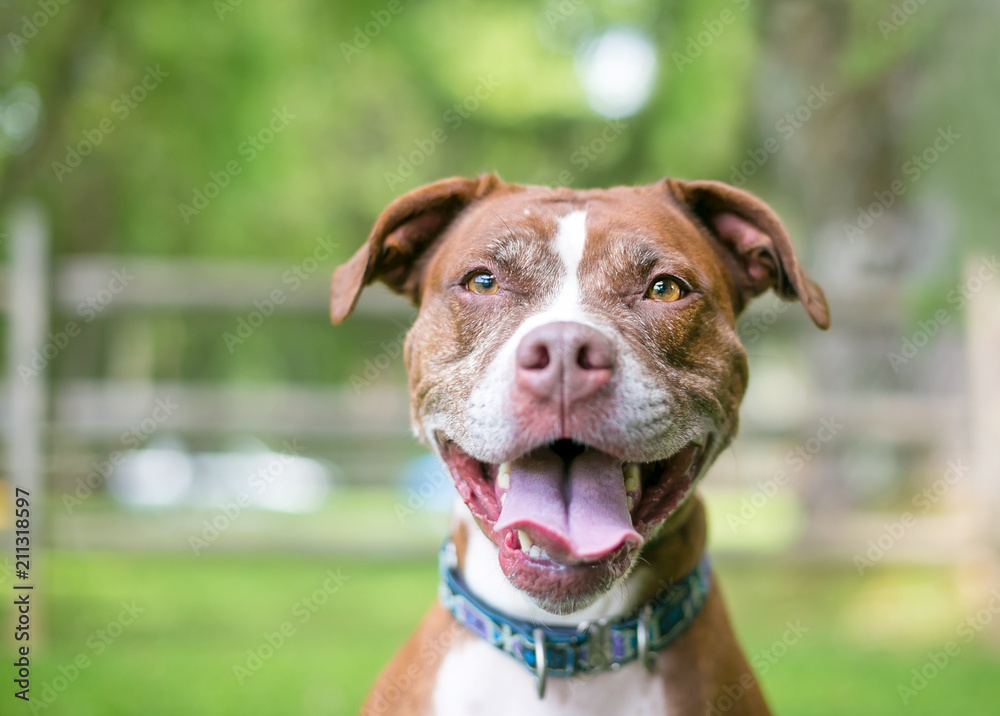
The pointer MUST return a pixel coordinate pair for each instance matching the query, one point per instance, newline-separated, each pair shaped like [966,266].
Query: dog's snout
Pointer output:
[564,360]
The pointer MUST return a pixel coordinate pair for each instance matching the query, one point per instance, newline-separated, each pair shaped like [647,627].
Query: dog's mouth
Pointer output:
[568,518]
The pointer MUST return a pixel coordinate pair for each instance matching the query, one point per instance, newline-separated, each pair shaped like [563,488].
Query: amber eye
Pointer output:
[483,283]
[665,288]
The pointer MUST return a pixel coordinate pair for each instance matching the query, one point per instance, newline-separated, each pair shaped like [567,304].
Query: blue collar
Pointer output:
[548,650]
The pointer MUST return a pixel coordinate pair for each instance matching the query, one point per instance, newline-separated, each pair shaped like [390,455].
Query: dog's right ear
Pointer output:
[397,246]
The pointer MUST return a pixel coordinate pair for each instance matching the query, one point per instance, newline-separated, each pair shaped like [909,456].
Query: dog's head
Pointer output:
[575,360]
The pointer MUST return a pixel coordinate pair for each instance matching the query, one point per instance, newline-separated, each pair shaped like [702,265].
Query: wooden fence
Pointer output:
[37,414]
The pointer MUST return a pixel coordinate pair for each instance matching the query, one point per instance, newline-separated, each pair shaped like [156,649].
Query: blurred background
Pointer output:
[228,510]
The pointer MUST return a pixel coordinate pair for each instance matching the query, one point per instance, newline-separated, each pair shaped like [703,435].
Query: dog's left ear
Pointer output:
[396,248]
[755,244]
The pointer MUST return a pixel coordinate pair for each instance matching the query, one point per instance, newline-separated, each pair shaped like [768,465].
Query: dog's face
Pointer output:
[575,360]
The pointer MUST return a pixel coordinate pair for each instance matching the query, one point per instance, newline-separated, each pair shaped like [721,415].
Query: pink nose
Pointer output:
[567,361]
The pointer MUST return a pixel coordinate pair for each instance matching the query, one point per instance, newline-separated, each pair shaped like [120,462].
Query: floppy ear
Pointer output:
[398,242]
[755,244]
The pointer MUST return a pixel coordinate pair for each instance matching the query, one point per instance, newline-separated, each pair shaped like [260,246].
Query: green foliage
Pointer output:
[364,87]
[201,616]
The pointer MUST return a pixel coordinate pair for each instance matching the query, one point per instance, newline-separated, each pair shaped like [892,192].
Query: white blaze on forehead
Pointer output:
[571,238]
[569,243]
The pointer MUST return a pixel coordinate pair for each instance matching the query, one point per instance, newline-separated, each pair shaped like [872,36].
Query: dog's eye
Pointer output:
[665,288]
[483,283]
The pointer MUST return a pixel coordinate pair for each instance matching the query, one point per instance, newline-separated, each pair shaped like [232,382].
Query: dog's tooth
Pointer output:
[630,503]
[503,476]
[525,540]
[503,499]
[631,477]
[535,552]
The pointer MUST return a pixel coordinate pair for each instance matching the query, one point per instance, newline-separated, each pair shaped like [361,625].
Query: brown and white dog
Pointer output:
[575,363]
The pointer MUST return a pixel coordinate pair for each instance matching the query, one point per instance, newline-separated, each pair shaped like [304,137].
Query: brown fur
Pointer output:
[724,244]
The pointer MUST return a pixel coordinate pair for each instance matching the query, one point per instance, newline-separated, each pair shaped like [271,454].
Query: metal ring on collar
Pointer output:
[540,665]
[642,638]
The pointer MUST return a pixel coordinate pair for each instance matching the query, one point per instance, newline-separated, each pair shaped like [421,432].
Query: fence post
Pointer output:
[983,335]
[983,341]
[28,322]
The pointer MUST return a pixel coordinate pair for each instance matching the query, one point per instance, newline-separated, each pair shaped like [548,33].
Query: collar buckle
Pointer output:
[600,650]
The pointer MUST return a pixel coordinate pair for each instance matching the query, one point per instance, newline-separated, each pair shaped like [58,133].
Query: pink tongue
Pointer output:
[586,515]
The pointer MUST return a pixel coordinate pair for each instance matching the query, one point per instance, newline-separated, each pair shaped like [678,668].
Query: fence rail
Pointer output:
[87,410]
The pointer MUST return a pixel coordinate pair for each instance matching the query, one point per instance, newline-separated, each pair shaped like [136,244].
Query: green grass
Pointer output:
[202,615]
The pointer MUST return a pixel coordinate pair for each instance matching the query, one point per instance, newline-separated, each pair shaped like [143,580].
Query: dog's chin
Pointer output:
[610,507]
[563,588]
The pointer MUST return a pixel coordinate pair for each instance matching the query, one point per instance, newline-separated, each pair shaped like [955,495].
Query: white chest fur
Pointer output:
[477,678]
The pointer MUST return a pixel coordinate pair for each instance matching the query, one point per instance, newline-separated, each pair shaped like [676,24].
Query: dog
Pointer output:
[575,364]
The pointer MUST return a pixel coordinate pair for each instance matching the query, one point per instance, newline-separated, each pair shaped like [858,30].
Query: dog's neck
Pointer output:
[673,553]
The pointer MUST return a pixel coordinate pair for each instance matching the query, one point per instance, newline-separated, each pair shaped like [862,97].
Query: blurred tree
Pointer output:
[239,129]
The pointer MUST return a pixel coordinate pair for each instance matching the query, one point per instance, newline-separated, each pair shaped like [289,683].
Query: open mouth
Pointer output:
[568,518]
